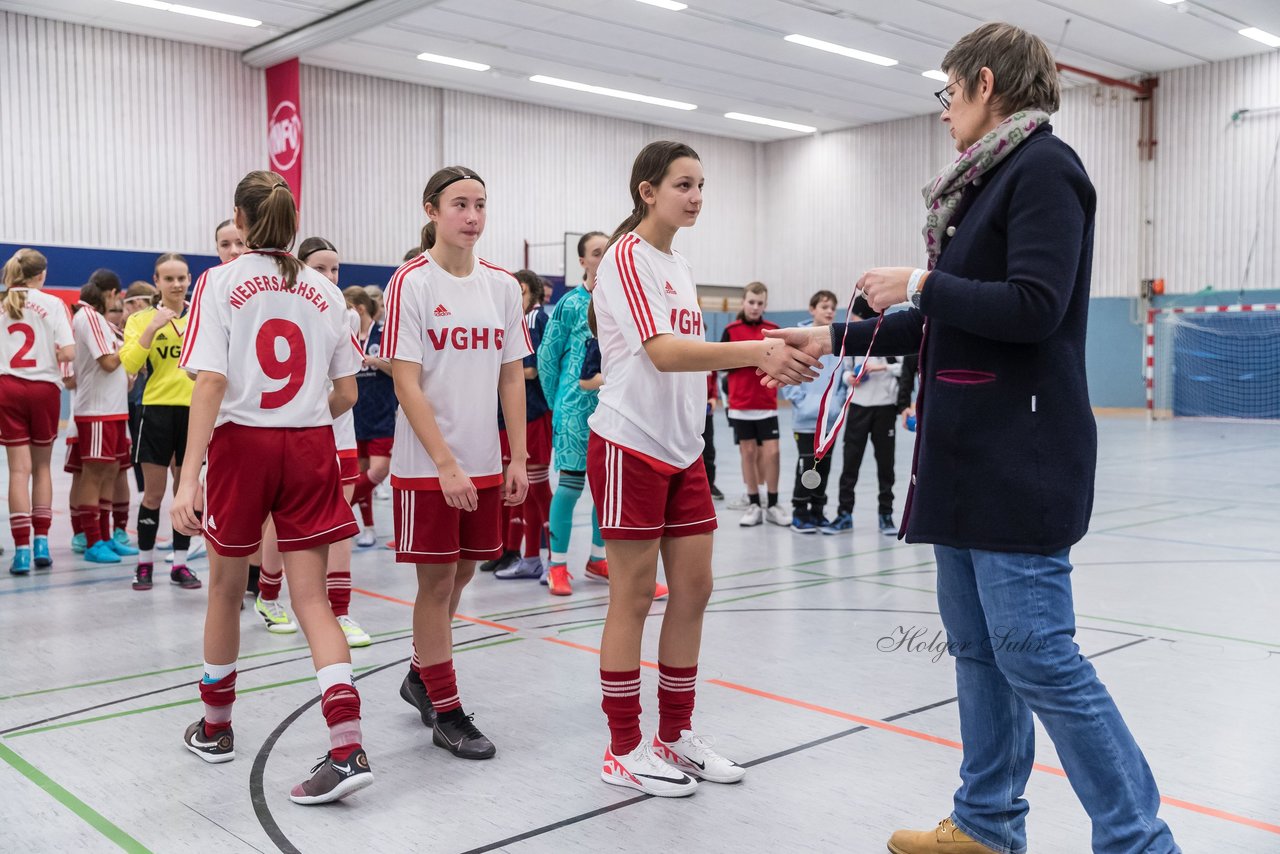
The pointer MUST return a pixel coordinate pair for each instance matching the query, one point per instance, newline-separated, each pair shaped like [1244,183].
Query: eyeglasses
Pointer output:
[944,94]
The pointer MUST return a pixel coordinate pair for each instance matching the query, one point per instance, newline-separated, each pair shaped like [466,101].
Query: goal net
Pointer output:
[1219,361]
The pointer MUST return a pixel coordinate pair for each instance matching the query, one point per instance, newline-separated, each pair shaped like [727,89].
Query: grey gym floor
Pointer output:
[1176,588]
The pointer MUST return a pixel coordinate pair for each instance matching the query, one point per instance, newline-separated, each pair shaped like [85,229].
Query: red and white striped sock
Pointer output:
[338,585]
[269,584]
[120,514]
[340,705]
[20,527]
[442,686]
[218,693]
[621,704]
[89,521]
[675,700]
[41,519]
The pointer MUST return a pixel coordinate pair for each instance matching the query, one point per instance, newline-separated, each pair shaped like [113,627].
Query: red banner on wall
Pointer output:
[284,124]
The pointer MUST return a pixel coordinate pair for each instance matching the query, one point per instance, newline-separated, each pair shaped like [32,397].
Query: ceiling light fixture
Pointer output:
[667,4]
[773,123]
[850,52]
[1172,2]
[934,74]
[612,93]
[1260,36]
[193,12]
[456,63]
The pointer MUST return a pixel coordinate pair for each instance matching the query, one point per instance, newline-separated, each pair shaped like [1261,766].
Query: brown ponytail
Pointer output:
[272,219]
[431,196]
[24,266]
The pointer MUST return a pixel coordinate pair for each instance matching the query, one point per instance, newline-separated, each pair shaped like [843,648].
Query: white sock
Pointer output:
[597,552]
[334,674]
[146,556]
[179,557]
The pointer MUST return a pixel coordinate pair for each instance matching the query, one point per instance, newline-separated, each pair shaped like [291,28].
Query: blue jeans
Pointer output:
[1011,627]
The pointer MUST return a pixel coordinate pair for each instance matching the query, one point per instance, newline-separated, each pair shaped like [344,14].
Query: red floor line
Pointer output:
[409,602]
[933,739]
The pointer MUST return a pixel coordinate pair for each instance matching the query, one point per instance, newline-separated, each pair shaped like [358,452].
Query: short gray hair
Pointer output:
[1026,76]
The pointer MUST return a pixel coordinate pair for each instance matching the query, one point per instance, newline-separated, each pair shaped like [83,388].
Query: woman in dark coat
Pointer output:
[1002,481]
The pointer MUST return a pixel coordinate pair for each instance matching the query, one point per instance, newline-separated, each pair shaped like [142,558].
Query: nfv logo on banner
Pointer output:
[284,124]
[284,136]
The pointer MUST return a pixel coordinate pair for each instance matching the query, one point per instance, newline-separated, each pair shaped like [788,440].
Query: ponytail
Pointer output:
[428,238]
[25,265]
[272,219]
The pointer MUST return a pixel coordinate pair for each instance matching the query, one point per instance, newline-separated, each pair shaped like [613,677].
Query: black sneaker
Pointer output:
[505,560]
[415,694]
[716,494]
[142,577]
[455,732]
[887,525]
[184,578]
[221,748]
[331,781]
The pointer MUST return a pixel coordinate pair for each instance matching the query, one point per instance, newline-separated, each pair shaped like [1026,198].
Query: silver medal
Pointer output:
[811,479]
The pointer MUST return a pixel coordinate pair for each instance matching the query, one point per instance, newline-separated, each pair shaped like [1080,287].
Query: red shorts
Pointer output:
[428,530]
[29,411]
[349,466]
[366,448]
[636,501]
[256,472]
[102,441]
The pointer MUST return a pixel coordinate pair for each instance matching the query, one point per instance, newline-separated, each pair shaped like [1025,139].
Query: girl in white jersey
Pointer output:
[35,335]
[454,332]
[267,336]
[644,462]
[101,413]
[321,256]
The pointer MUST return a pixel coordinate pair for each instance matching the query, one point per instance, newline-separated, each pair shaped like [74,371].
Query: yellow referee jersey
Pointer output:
[167,384]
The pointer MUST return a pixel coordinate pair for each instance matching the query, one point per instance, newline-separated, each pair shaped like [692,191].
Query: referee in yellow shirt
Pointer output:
[153,338]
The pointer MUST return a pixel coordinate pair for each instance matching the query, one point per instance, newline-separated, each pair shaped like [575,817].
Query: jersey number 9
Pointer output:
[292,368]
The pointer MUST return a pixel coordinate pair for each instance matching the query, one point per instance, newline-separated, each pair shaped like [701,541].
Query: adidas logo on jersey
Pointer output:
[670,289]
[441,311]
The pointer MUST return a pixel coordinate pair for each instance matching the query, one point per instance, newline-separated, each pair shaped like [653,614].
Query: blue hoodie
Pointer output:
[806,397]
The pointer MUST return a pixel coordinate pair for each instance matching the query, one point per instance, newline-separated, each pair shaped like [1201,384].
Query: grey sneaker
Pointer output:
[331,781]
[528,567]
[221,748]
[415,694]
[455,732]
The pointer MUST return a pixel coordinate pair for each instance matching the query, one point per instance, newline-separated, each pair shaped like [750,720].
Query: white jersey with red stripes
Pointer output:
[278,347]
[29,345]
[640,293]
[100,395]
[344,426]
[462,331]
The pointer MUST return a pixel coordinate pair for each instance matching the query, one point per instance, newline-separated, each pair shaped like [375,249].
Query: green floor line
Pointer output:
[114,679]
[91,816]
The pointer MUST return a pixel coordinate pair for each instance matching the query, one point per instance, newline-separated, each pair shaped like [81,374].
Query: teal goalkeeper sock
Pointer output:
[568,491]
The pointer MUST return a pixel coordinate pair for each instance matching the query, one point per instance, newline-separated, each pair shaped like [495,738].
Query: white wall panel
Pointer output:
[1212,174]
[121,141]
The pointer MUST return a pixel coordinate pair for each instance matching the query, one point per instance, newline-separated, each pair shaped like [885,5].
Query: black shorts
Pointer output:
[761,430]
[162,436]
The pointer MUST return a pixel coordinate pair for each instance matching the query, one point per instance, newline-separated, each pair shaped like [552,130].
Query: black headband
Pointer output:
[455,180]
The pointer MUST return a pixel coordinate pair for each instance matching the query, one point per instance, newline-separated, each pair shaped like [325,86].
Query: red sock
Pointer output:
[104,519]
[20,527]
[536,505]
[217,698]
[675,700]
[338,585]
[366,511]
[622,707]
[89,522]
[269,584]
[340,705]
[74,512]
[442,686]
[120,514]
[363,488]
[41,519]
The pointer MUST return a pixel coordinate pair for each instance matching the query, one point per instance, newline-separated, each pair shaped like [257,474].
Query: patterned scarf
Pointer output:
[942,194]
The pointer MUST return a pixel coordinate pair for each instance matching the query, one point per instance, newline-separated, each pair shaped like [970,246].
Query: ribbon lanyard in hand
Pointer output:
[823,438]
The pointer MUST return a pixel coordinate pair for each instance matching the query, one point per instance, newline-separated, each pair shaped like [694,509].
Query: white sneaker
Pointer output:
[164,544]
[356,636]
[778,516]
[197,549]
[753,516]
[641,769]
[742,502]
[276,617]
[693,755]
[367,539]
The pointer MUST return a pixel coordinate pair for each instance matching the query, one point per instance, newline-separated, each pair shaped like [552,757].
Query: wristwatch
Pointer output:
[913,287]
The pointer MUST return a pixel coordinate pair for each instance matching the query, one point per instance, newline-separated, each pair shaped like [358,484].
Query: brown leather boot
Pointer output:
[946,838]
